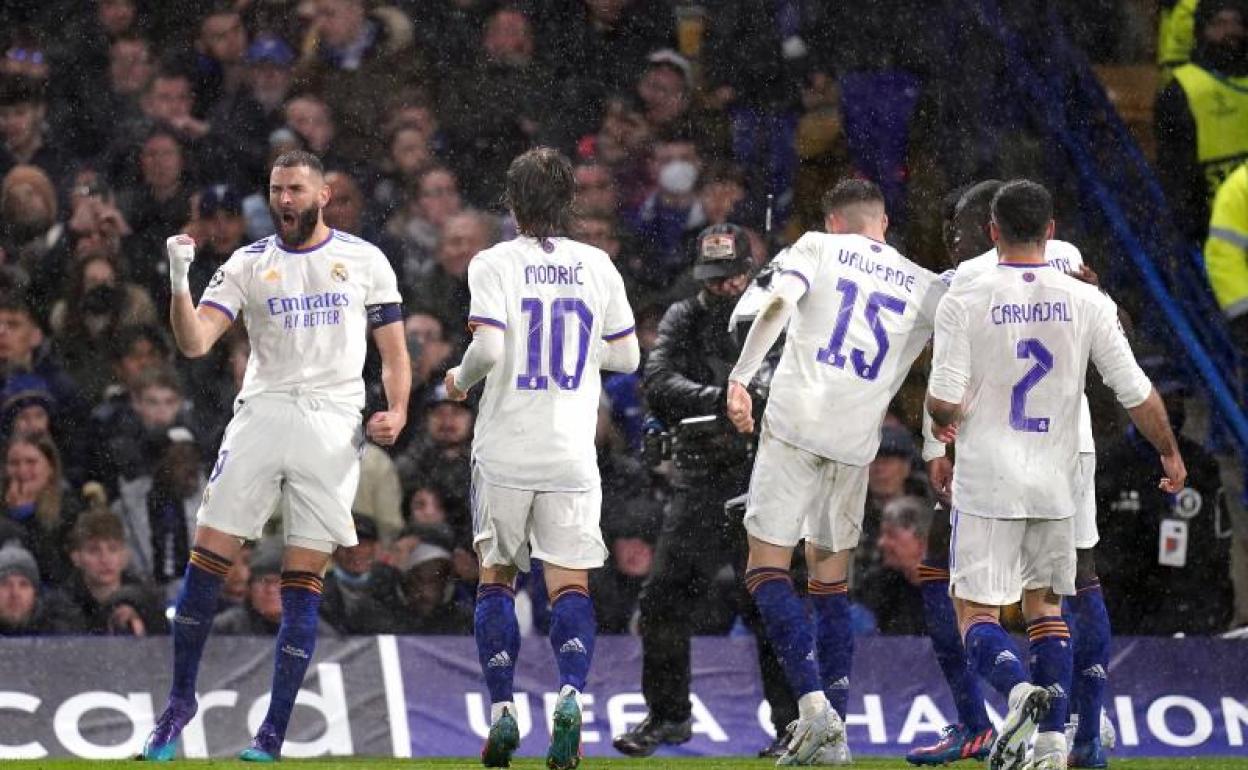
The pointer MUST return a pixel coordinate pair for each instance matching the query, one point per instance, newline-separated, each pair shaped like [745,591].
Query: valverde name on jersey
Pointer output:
[886,273]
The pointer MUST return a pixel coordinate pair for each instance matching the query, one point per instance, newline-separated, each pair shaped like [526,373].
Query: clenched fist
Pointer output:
[181,251]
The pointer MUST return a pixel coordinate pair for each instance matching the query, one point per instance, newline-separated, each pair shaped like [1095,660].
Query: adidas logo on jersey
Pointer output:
[500,660]
[1097,671]
[840,684]
[573,645]
[1056,690]
[1004,657]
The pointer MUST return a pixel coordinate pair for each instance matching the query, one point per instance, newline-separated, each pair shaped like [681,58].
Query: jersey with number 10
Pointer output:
[556,301]
[867,313]
[1012,347]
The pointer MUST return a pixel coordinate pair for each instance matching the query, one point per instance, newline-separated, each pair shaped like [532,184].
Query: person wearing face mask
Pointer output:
[1201,118]
[686,377]
[670,210]
[1174,549]
[362,593]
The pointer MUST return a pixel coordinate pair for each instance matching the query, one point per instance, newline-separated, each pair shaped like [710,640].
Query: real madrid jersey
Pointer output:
[305,311]
[1012,346]
[867,313]
[1062,256]
[556,301]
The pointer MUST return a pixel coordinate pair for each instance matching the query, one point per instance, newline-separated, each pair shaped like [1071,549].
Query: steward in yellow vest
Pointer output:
[1175,35]
[1226,252]
[1202,116]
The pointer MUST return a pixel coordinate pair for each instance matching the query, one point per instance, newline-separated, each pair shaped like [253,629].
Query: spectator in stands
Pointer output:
[133,351]
[97,305]
[429,352]
[425,506]
[666,92]
[596,192]
[158,508]
[443,291]
[26,407]
[602,230]
[30,231]
[23,116]
[97,229]
[890,475]
[1201,119]
[441,458]
[1175,548]
[617,587]
[270,73]
[362,595]
[1176,21]
[219,57]
[602,47]
[432,199]
[346,212]
[427,590]
[222,230]
[410,151]
[112,599]
[260,614]
[131,448]
[670,210]
[26,608]
[622,143]
[504,104]
[97,104]
[159,203]
[22,349]
[889,588]
[39,510]
[1226,253]
[359,54]
[380,494]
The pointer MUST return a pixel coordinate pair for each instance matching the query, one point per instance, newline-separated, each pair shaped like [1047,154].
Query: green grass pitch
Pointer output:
[593,763]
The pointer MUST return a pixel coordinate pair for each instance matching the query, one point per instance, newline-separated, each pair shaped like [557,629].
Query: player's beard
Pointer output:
[298,228]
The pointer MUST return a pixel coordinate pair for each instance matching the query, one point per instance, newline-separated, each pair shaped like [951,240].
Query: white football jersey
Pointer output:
[556,300]
[1062,256]
[306,313]
[1012,347]
[867,313]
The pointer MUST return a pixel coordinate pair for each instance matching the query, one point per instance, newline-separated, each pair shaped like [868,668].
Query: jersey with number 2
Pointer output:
[866,314]
[1012,347]
[557,302]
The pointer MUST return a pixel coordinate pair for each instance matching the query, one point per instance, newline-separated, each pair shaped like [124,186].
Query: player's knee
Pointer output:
[500,575]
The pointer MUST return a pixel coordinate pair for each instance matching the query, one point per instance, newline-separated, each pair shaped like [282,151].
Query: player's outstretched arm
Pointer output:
[195,330]
[1151,419]
[483,353]
[396,378]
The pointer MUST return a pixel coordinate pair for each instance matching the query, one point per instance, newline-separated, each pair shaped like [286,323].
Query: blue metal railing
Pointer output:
[1069,105]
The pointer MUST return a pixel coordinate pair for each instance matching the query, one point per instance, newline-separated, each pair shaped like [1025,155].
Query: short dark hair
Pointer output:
[539,191]
[127,336]
[158,377]
[975,196]
[15,302]
[1022,210]
[850,192]
[96,525]
[296,158]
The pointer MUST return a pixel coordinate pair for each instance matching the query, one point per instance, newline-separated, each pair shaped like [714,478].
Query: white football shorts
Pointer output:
[796,494]
[301,450]
[1086,535]
[991,561]
[511,526]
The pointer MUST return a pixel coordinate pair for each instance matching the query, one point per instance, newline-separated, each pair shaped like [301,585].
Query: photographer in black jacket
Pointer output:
[685,380]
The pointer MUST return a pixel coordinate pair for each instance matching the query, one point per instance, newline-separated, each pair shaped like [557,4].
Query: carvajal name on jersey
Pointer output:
[886,273]
[1036,312]
[559,275]
[308,310]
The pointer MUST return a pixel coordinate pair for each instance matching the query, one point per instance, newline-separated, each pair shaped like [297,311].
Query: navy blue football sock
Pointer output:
[942,629]
[834,638]
[192,619]
[787,626]
[1052,658]
[992,654]
[572,632]
[1092,634]
[498,638]
[296,641]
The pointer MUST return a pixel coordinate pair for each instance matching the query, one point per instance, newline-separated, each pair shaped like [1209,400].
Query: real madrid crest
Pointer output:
[338,272]
[217,278]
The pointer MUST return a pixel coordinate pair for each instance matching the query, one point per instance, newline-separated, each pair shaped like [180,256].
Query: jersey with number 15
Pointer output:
[866,315]
[557,302]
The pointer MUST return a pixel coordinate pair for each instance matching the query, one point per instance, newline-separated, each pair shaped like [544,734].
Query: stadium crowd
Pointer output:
[123,122]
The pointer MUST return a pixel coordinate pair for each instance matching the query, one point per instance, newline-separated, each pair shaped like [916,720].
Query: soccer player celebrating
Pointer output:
[861,313]
[547,314]
[308,296]
[972,253]
[1012,347]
